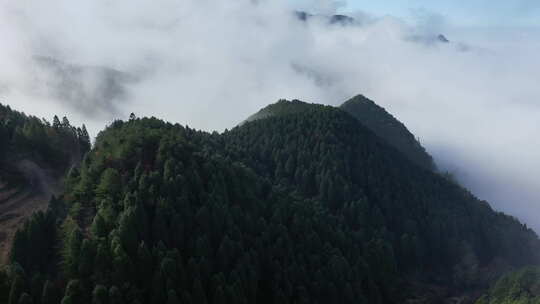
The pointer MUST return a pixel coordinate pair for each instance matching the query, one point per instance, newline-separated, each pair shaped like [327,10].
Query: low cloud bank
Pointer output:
[473,102]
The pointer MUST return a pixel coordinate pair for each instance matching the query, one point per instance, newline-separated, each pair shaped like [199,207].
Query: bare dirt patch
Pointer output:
[18,204]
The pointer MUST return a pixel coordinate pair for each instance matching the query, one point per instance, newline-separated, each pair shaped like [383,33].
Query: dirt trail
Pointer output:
[40,179]
[19,204]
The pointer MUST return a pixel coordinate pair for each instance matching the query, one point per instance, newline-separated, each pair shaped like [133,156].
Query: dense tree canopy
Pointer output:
[519,287]
[303,207]
[60,145]
[389,128]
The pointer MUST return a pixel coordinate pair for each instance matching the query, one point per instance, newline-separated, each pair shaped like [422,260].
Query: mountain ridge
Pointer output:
[307,206]
[389,128]
[369,114]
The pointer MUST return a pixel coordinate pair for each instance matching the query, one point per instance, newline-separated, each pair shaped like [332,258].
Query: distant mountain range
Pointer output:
[344,20]
[332,19]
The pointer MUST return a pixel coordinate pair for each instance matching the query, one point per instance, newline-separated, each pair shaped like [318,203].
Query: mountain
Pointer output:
[331,19]
[344,20]
[382,123]
[442,38]
[83,87]
[306,205]
[34,156]
[430,39]
[281,108]
[370,115]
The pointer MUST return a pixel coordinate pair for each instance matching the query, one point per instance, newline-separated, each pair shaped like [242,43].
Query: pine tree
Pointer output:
[25,299]
[199,295]
[102,262]
[56,123]
[86,258]
[100,295]
[115,296]
[84,140]
[110,185]
[65,123]
[71,252]
[127,230]
[74,293]
[17,287]
[172,298]
[49,294]
[99,227]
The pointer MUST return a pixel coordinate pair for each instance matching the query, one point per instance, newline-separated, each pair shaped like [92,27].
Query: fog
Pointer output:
[474,102]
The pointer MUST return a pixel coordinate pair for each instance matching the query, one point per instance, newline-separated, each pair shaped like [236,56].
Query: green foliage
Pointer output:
[100,295]
[60,145]
[307,206]
[388,128]
[5,286]
[71,251]
[281,108]
[25,299]
[74,293]
[99,226]
[109,185]
[33,244]
[519,287]
[49,294]
[16,290]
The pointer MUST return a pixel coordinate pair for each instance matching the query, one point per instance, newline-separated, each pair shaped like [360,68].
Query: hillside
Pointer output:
[389,128]
[370,115]
[34,156]
[519,287]
[306,206]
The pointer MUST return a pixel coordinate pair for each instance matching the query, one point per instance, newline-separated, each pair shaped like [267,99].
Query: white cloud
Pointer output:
[210,64]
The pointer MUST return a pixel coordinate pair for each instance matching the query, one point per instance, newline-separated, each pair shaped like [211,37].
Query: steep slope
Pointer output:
[34,156]
[376,118]
[389,128]
[324,154]
[19,200]
[307,206]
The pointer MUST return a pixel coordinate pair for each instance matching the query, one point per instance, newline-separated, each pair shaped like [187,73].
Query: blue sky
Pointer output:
[499,13]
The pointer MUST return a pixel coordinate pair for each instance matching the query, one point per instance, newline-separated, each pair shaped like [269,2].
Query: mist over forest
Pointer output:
[255,151]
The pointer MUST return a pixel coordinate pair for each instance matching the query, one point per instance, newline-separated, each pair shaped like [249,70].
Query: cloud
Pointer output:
[324,7]
[212,63]
[92,90]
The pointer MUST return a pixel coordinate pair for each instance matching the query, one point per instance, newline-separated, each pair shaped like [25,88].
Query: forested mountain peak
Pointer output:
[283,107]
[360,98]
[370,115]
[304,206]
[389,128]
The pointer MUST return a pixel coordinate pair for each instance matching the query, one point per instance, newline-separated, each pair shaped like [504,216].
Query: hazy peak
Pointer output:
[389,128]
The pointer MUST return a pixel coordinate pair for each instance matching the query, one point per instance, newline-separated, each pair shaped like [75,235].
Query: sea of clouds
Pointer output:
[474,103]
